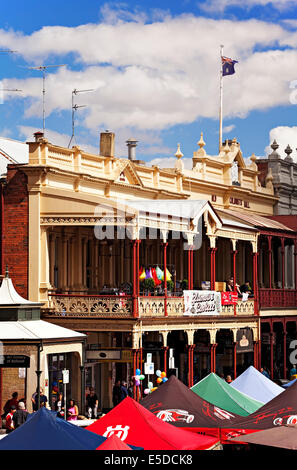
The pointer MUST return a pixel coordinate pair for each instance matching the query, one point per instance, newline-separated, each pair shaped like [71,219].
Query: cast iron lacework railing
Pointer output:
[115,306]
[90,305]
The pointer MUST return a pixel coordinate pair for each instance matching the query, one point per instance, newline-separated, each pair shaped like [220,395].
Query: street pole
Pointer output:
[221,103]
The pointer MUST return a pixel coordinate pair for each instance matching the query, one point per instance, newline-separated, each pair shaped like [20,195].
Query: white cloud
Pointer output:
[284,136]
[221,5]
[150,76]
[228,129]
[56,138]
[170,162]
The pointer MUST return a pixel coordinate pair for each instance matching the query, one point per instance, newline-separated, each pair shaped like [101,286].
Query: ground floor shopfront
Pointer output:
[114,350]
[278,344]
[26,365]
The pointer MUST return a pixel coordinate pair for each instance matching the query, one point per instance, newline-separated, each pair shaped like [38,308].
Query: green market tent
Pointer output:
[218,392]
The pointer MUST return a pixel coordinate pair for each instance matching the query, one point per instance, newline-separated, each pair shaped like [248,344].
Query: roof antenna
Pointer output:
[43,69]
[75,108]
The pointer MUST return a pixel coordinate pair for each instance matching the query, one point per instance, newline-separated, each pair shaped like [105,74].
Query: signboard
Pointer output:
[149,357]
[229,298]
[65,373]
[149,368]
[14,360]
[244,339]
[201,302]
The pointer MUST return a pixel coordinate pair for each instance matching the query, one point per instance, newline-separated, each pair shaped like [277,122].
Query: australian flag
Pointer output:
[228,66]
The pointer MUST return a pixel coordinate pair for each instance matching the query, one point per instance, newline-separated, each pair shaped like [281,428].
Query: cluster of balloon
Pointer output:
[161,377]
[138,377]
[150,388]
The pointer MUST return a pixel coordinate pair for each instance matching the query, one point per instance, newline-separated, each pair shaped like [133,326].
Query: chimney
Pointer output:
[107,144]
[131,144]
[38,136]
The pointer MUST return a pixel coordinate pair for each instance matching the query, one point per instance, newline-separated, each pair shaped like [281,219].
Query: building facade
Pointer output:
[79,230]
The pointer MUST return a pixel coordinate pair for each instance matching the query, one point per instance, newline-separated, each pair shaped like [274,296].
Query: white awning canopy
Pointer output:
[35,330]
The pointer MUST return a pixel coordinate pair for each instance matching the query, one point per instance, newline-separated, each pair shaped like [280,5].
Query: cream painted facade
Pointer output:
[68,265]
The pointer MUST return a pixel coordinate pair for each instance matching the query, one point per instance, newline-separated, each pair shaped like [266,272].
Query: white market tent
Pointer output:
[256,385]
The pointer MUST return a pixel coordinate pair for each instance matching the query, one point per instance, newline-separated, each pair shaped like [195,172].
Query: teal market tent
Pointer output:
[218,392]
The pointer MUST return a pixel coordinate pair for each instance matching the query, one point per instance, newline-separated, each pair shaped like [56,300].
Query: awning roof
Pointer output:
[255,220]
[10,297]
[35,330]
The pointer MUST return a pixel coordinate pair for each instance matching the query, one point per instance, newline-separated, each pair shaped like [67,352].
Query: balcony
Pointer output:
[278,298]
[115,306]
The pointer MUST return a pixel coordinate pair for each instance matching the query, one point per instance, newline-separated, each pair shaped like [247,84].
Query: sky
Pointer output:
[154,71]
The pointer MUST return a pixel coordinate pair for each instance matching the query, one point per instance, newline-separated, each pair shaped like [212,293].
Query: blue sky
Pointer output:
[154,68]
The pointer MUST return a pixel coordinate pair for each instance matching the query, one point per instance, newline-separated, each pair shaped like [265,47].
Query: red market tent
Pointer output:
[281,410]
[175,403]
[113,443]
[135,425]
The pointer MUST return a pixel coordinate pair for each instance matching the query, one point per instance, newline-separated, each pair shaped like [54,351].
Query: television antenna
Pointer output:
[6,51]
[75,107]
[43,69]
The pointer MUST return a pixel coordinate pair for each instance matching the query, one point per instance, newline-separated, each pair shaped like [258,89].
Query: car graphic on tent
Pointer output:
[174,415]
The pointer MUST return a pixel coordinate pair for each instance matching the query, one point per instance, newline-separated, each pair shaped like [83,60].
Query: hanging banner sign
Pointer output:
[201,302]
[244,339]
[229,298]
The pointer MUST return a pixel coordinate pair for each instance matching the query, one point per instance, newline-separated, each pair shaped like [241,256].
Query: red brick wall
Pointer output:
[15,236]
[12,383]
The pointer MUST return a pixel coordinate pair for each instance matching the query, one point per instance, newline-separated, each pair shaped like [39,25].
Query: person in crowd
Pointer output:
[59,405]
[230,286]
[92,403]
[131,389]
[43,399]
[116,393]
[228,379]
[12,401]
[265,372]
[9,425]
[124,390]
[246,288]
[293,371]
[20,415]
[72,412]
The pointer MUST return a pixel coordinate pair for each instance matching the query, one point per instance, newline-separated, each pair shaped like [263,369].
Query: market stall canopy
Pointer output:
[289,384]
[43,430]
[113,443]
[284,437]
[256,385]
[281,410]
[218,392]
[135,425]
[175,403]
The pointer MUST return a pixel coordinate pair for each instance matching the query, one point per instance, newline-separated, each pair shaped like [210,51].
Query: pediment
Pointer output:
[125,173]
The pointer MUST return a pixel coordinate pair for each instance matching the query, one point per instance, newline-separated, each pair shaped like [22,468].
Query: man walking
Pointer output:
[20,415]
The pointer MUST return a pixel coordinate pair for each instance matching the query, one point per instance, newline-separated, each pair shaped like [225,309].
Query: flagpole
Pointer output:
[221,101]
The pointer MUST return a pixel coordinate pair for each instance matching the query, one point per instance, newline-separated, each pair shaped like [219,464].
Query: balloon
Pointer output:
[146,391]
[137,383]
[153,389]
[158,373]
[159,380]
[136,377]
[150,385]
[164,379]
[137,372]
[163,374]
[141,377]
